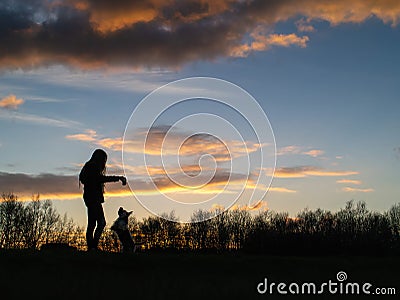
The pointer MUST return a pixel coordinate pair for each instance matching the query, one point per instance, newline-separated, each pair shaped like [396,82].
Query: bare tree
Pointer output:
[239,223]
[221,231]
[151,228]
[39,222]
[170,231]
[11,217]
[67,232]
[199,230]
[32,224]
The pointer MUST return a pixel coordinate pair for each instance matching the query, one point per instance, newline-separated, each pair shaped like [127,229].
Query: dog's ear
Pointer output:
[120,210]
[129,213]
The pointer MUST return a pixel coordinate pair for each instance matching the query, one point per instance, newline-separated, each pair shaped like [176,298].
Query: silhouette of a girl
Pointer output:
[93,177]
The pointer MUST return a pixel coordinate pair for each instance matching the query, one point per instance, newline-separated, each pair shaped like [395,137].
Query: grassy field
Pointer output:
[80,275]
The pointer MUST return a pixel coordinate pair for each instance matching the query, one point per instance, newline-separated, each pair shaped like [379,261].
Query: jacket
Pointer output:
[93,182]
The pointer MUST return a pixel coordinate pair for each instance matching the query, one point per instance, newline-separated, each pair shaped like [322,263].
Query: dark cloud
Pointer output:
[56,186]
[154,33]
[32,184]
[53,186]
[70,37]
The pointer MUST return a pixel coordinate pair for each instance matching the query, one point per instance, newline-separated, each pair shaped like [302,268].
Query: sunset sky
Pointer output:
[326,73]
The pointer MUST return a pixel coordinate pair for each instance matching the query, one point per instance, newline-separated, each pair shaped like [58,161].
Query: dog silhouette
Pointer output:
[120,227]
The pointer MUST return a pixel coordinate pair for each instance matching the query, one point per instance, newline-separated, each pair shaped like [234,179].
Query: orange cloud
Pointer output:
[106,16]
[358,182]
[314,153]
[11,102]
[330,173]
[154,171]
[22,196]
[188,177]
[150,33]
[281,189]
[182,143]
[357,11]
[252,185]
[304,171]
[293,149]
[91,136]
[88,136]
[289,150]
[350,189]
[261,205]
[108,20]
[262,43]
[157,144]
[286,40]
[335,12]
[110,143]
[109,16]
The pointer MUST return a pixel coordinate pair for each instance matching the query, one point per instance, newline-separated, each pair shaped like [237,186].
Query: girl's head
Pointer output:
[99,157]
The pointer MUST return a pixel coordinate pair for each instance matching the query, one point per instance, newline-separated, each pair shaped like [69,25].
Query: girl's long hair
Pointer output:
[99,158]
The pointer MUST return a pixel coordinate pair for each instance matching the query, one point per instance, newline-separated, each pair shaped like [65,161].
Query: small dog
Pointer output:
[120,227]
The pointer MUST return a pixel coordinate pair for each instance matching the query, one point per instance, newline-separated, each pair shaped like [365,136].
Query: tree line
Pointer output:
[351,230]
[33,224]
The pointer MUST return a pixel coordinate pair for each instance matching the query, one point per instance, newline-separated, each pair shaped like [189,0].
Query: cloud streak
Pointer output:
[56,186]
[38,120]
[261,206]
[261,43]
[281,190]
[152,33]
[351,181]
[352,190]
[305,171]
[88,136]
[293,149]
[61,187]
[48,185]
[314,153]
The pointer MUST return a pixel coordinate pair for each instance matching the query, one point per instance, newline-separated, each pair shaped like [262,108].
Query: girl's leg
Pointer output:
[101,223]
[90,227]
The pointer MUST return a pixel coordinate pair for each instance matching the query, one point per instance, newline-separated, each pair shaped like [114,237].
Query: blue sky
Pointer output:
[332,101]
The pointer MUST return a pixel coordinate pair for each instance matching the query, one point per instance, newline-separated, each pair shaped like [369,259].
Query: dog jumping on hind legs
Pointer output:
[120,227]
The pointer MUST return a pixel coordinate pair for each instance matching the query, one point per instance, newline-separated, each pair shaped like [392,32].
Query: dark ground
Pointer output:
[79,275]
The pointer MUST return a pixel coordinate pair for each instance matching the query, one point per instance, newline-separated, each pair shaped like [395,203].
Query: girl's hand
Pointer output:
[123,180]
